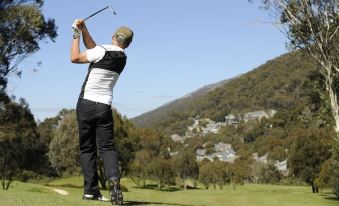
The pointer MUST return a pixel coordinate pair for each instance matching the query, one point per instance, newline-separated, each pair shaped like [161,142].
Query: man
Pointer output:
[94,112]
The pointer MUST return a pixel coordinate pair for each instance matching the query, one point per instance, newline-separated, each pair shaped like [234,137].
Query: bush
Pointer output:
[124,188]
[269,174]
[27,175]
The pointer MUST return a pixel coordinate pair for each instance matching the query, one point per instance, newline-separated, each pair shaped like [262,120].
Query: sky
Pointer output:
[178,47]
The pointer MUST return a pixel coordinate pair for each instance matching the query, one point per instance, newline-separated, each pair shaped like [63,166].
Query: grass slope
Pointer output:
[22,194]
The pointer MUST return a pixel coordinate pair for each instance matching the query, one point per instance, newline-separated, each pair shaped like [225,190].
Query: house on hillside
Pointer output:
[271,112]
[258,115]
[177,138]
[222,147]
[194,129]
[224,152]
[212,127]
[282,167]
[261,159]
[226,156]
[203,127]
[231,119]
[201,152]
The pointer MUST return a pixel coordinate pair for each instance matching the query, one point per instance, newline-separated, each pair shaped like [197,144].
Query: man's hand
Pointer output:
[80,24]
[77,26]
[75,29]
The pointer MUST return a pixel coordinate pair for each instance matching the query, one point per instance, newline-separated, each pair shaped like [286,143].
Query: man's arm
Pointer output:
[87,39]
[76,55]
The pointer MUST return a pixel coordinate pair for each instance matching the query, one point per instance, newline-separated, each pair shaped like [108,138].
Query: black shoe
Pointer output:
[98,197]
[115,192]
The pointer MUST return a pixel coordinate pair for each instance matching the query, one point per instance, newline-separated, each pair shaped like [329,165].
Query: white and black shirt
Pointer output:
[107,62]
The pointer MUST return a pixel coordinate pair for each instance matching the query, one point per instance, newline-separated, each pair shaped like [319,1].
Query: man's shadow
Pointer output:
[151,203]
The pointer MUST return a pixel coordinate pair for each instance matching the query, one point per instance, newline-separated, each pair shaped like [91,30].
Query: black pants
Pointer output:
[95,123]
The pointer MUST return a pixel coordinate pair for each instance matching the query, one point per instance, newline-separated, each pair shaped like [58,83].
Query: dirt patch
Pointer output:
[59,191]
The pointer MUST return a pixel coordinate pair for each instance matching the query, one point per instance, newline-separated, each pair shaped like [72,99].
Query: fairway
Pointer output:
[27,194]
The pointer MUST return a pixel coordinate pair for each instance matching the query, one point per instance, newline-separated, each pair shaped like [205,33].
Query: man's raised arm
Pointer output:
[87,39]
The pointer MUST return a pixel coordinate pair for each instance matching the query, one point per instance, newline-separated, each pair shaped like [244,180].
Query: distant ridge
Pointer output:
[273,85]
[207,88]
[142,119]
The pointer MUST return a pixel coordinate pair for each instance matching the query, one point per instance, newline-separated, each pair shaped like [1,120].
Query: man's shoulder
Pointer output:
[110,47]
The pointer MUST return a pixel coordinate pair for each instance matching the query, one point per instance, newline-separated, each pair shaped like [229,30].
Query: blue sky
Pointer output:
[179,46]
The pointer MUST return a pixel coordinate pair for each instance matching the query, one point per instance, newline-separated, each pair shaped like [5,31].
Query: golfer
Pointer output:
[94,111]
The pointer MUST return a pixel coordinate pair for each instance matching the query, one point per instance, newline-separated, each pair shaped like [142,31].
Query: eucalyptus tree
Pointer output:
[22,27]
[313,26]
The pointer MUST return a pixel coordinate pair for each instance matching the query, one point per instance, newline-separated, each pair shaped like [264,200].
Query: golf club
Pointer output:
[76,31]
[101,11]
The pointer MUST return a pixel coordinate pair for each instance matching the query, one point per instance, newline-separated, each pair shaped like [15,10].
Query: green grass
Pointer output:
[75,181]
[22,194]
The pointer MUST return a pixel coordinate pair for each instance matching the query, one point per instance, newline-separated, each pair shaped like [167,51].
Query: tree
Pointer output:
[139,167]
[309,150]
[241,169]
[186,166]
[162,170]
[205,176]
[326,177]
[313,26]
[125,140]
[8,163]
[150,141]
[22,26]
[335,164]
[269,174]
[64,148]
[46,130]
[214,173]
[222,173]
[251,130]
[21,148]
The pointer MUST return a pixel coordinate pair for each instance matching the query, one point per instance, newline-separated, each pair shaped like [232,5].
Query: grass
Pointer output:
[22,194]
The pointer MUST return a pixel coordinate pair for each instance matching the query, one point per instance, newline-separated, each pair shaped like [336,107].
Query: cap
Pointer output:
[124,34]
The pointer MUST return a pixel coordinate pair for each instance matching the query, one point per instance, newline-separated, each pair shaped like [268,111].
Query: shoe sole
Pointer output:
[89,199]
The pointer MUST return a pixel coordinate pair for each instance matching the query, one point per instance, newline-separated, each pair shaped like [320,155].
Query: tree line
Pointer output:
[147,155]
[51,150]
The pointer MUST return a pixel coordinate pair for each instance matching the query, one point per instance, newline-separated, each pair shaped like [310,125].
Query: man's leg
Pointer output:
[88,150]
[105,142]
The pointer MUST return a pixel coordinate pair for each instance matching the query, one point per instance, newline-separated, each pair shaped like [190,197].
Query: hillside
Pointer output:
[161,112]
[273,85]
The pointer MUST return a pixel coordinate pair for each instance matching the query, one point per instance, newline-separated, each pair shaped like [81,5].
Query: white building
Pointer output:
[223,152]
[177,138]
[261,159]
[231,119]
[258,115]
[282,167]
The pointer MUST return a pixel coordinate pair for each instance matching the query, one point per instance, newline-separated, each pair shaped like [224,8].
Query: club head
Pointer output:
[112,10]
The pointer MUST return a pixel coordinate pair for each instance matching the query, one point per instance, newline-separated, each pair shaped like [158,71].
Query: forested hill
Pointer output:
[161,112]
[274,85]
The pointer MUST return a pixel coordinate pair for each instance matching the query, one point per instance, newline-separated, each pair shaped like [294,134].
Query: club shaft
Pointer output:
[96,13]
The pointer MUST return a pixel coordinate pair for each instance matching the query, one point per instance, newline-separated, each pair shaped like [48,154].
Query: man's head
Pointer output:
[123,36]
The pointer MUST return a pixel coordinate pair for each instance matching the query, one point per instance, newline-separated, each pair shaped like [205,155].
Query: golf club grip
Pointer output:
[96,13]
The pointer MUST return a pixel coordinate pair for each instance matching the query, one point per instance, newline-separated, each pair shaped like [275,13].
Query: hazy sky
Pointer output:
[178,47]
